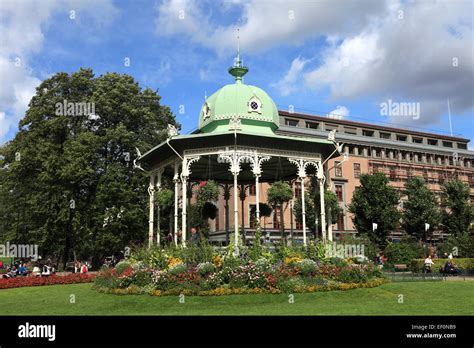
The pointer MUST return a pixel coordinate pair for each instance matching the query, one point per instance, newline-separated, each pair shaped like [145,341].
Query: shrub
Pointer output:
[370,248]
[337,261]
[122,266]
[107,278]
[142,278]
[205,268]
[177,269]
[262,264]
[295,284]
[402,252]
[307,266]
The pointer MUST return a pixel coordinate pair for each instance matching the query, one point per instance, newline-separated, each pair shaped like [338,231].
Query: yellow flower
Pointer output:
[173,261]
[292,259]
[217,260]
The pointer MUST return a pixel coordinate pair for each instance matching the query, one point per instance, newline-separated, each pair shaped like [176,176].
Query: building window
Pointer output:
[447,144]
[297,189]
[433,142]
[401,137]
[462,146]
[217,220]
[290,122]
[252,190]
[330,127]
[339,193]
[471,180]
[441,177]
[393,173]
[312,125]
[338,169]
[349,130]
[425,175]
[367,133]
[356,170]
[385,135]
[340,222]
[418,140]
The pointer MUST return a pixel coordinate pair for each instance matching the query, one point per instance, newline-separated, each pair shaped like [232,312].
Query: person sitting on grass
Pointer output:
[46,271]
[84,268]
[36,271]
[22,271]
[12,272]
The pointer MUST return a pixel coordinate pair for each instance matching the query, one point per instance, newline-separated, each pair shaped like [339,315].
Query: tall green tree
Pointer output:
[421,207]
[68,178]
[457,212]
[374,201]
[278,194]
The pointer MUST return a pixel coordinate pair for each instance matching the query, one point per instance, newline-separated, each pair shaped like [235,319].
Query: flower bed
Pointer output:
[18,282]
[188,272]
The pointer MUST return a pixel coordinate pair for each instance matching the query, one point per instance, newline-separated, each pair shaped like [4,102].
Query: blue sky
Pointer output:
[343,56]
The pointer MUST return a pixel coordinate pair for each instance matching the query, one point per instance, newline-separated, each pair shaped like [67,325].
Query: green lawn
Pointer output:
[420,298]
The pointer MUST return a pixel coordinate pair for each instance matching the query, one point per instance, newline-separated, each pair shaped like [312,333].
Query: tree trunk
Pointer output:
[291,224]
[227,234]
[243,222]
[282,225]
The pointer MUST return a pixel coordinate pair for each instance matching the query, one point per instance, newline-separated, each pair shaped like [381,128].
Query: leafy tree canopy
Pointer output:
[68,183]
[374,201]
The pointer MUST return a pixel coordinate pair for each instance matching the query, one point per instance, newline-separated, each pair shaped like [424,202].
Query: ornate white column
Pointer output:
[301,164]
[151,193]
[185,172]
[257,172]
[321,179]
[158,217]
[176,192]
[234,158]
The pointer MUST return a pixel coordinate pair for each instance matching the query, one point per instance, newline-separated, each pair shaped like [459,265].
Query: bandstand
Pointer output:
[237,137]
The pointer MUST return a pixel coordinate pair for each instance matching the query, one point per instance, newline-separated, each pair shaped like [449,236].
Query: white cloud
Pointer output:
[382,50]
[339,113]
[22,24]
[406,60]
[264,23]
[289,83]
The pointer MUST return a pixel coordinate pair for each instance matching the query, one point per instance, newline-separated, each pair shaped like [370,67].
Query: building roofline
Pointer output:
[368,125]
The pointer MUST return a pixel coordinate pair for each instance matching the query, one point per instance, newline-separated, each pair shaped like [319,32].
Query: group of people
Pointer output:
[81,267]
[23,269]
[194,236]
[448,268]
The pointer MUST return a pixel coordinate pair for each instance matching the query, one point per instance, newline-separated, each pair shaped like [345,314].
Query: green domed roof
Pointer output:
[256,111]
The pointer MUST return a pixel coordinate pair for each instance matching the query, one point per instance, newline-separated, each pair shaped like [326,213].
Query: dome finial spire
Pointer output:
[237,70]
[238,45]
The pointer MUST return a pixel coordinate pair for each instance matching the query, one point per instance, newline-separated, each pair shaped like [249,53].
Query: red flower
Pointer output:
[17,282]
